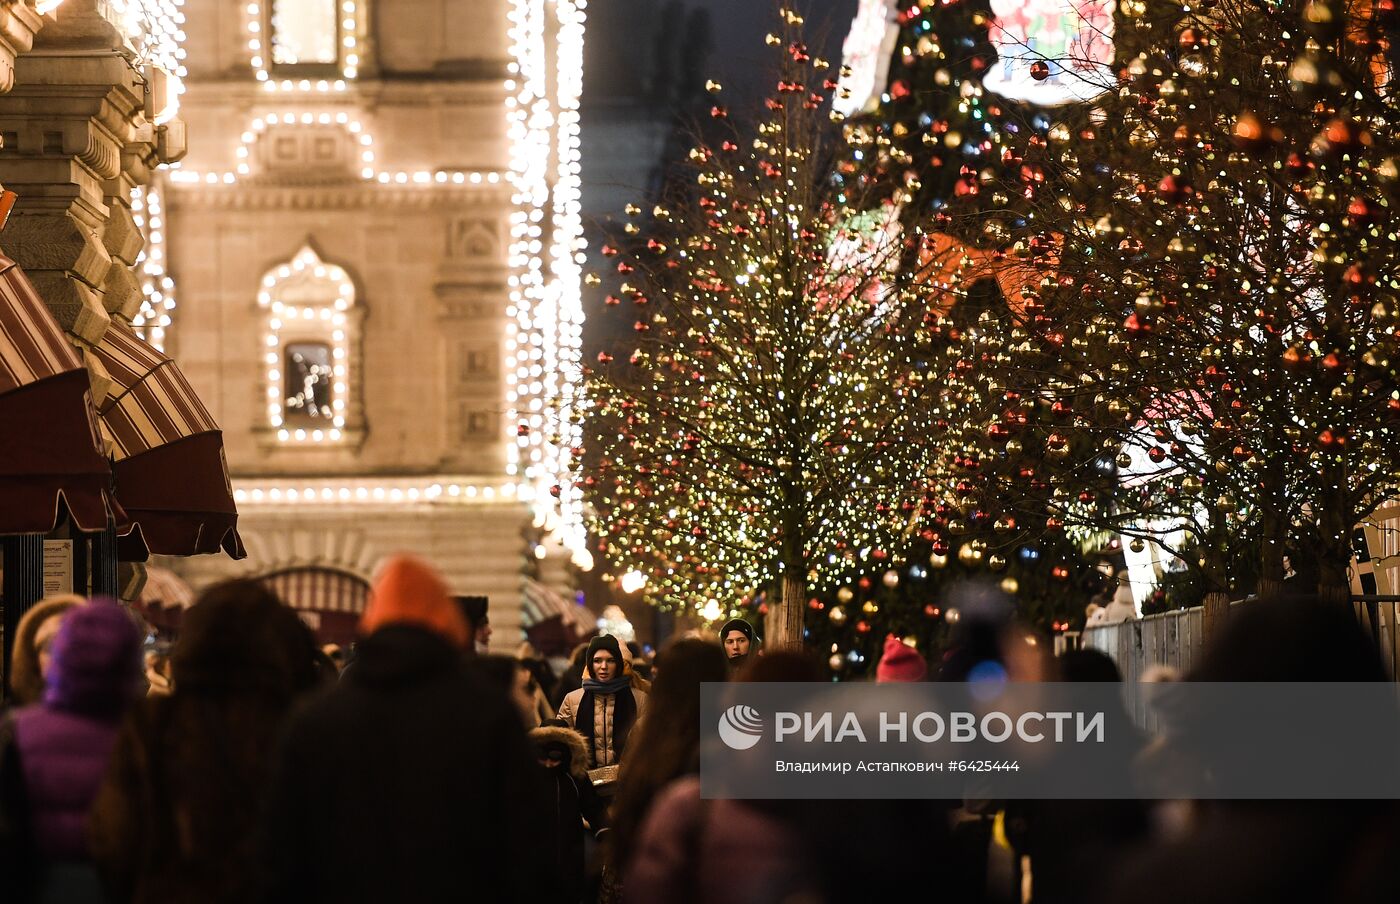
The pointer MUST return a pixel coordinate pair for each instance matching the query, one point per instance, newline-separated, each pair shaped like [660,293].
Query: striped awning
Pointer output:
[319,589]
[543,603]
[171,476]
[52,449]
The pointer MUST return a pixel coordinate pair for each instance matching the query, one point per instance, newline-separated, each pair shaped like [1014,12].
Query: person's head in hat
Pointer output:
[407,590]
[478,623]
[900,663]
[737,638]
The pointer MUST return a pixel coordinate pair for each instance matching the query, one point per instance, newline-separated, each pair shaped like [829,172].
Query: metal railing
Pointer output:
[1177,638]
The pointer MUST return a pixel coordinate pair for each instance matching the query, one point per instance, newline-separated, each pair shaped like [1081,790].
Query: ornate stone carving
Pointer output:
[473,238]
[306,153]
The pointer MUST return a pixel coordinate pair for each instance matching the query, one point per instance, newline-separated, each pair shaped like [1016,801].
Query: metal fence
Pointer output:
[1380,616]
[1173,639]
[1177,638]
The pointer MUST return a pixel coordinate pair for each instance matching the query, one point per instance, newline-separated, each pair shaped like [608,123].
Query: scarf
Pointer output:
[611,687]
[624,712]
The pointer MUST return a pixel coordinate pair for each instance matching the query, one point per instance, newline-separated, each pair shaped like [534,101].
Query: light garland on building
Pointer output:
[372,491]
[327,319]
[543,344]
[153,28]
[157,287]
[546,302]
[260,48]
[363,139]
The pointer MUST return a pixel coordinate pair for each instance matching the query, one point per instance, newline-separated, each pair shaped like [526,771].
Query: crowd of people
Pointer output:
[254,766]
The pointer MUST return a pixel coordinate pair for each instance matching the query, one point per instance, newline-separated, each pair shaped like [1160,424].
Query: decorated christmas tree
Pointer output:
[763,433]
[1204,263]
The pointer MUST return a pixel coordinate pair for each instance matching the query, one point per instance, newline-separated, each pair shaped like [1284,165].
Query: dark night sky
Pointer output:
[620,33]
[627,132]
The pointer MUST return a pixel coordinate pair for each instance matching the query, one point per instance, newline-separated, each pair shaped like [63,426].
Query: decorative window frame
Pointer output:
[347,59]
[294,312]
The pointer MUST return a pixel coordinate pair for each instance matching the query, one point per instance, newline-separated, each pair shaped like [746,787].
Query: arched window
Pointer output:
[310,352]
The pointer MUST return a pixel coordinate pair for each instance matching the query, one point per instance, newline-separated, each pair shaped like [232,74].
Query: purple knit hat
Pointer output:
[96,667]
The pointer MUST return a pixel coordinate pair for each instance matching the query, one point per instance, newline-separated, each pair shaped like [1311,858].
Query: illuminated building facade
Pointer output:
[368,264]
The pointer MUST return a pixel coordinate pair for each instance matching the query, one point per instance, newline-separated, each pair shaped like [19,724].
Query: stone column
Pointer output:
[18,24]
[76,141]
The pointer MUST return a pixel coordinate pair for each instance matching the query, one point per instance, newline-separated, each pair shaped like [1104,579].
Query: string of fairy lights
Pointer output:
[317,311]
[157,287]
[543,356]
[542,344]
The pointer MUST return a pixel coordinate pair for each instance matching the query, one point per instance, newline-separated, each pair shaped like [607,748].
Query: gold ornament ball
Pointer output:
[891,578]
[837,615]
[937,561]
[845,594]
[835,662]
[870,607]
[970,554]
[1010,585]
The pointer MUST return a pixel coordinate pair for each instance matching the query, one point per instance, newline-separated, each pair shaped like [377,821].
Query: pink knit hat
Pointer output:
[900,662]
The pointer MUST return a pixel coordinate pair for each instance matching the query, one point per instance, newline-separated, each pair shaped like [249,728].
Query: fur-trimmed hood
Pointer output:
[558,734]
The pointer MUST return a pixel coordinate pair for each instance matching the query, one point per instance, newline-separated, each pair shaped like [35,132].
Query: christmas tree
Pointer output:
[762,434]
[1207,266]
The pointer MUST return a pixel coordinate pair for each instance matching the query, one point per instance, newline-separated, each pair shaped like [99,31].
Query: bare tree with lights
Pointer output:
[763,431]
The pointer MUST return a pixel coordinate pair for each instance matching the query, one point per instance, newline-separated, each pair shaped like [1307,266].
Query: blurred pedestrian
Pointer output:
[695,851]
[478,623]
[738,639]
[57,753]
[1120,608]
[669,739]
[542,677]
[900,663]
[578,809]
[571,679]
[1325,851]
[176,816]
[509,676]
[34,635]
[411,779]
[607,707]
[1067,842]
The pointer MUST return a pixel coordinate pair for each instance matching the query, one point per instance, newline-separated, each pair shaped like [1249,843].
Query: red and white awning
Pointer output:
[52,449]
[171,476]
[318,589]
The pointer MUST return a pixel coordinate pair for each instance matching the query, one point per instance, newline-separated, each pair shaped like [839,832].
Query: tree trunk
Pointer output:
[1333,552]
[1216,602]
[1270,558]
[783,626]
[1273,529]
[1217,612]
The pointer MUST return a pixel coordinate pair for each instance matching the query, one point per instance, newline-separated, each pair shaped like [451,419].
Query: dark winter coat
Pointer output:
[572,800]
[411,780]
[176,818]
